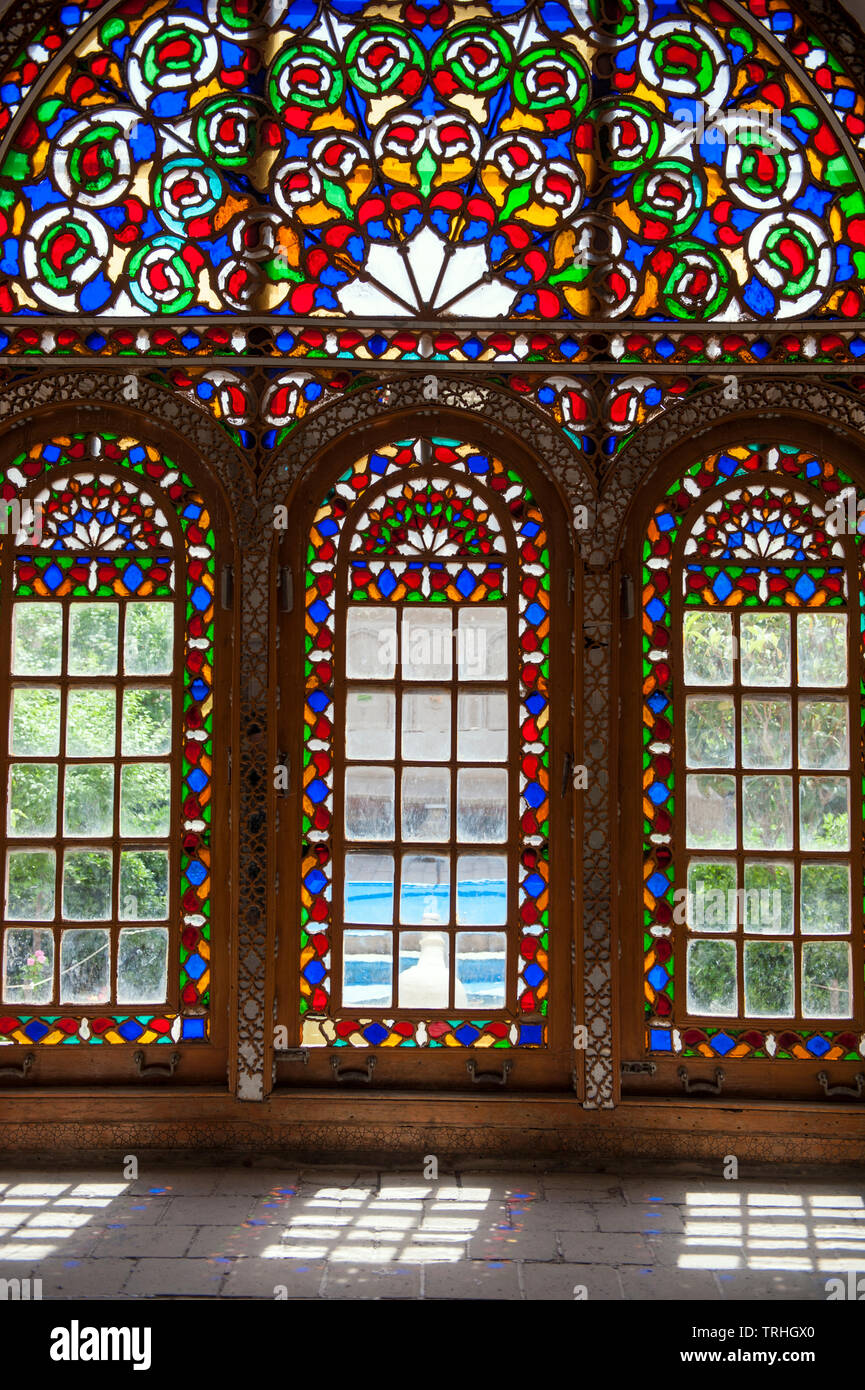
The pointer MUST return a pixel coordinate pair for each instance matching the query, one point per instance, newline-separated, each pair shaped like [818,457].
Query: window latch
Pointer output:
[26,1063]
[638,1068]
[490,1078]
[363,1076]
[712,1088]
[855,1090]
[156,1068]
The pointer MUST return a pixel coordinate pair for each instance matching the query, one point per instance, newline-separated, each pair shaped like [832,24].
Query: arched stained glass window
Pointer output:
[340,159]
[426,812]
[753,813]
[106,605]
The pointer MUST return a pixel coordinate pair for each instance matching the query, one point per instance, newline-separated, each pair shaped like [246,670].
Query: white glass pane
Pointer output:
[711,977]
[32,799]
[88,802]
[711,811]
[823,742]
[426,803]
[368,889]
[769,985]
[427,644]
[35,721]
[148,644]
[87,877]
[767,812]
[93,639]
[370,643]
[826,974]
[482,890]
[90,722]
[425,890]
[482,644]
[708,645]
[482,805]
[146,720]
[822,645]
[481,963]
[426,725]
[766,733]
[370,723]
[37,638]
[30,885]
[28,967]
[424,980]
[85,961]
[824,813]
[367,969]
[768,905]
[710,733]
[712,895]
[764,648]
[825,894]
[482,734]
[143,885]
[369,803]
[142,965]
[145,799]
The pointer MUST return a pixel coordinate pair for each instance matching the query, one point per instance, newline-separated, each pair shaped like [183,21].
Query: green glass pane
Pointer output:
[30,885]
[37,639]
[92,639]
[145,799]
[36,721]
[148,646]
[88,803]
[32,799]
[90,720]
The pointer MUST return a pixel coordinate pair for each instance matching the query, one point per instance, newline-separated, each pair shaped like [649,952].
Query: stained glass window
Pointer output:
[753,813]
[447,162]
[425,875]
[107,612]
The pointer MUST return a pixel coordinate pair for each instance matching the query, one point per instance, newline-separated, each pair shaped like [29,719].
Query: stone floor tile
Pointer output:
[604,1247]
[173,1182]
[136,1242]
[513,1243]
[84,1278]
[501,1187]
[472,1279]
[558,1216]
[647,1218]
[271,1279]
[565,1282]
[209,1211]
[642,1284]
[155,1278]
[255,1180]
[392,1280]
[759,1286]
[582,1187]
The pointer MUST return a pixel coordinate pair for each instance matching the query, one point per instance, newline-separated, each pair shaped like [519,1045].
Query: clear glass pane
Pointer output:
[768,905]
[37,638]
[36,721]
[146,719]
[30,885]
[482,644]
[85,967]
[370,723]
[767,812]
[482,805]
[425,890]
[823,741]
[143,885]
[92,639]
[712,895]
[148,642]
[87,885]
[766,733]
[711,977]
[370,643]
[824,813]
[769,990]
[426,725]
[825,890]
[482,890]
[369,803]
[426,803]
[482,718]
[822,645]
[368,889]
[427,644]
[826,972]
[28,967]
[367,969]
[424,979]
[710,734]
[764,648]
[711,813]
[90,723]
[708,643]
[145,800]
[32,799]
[142,965]
[481,963]
[88,803]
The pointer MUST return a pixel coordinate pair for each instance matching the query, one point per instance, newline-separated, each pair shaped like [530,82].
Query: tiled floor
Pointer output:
[258,1232]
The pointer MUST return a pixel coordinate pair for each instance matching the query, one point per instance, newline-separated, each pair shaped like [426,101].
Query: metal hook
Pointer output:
[363,1077]
[855,1090]
[26,1064]
[712,1088]
[493,1078]
[155,1068]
